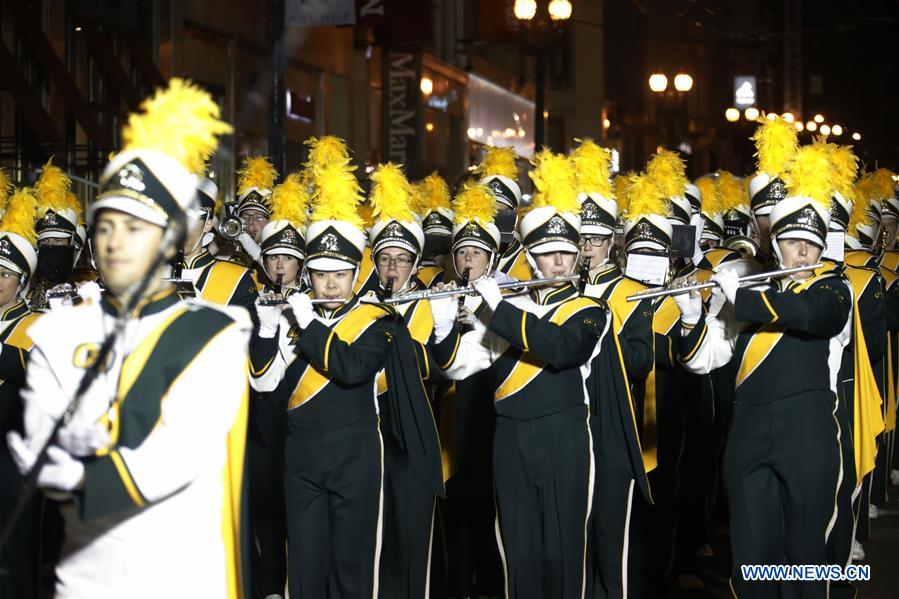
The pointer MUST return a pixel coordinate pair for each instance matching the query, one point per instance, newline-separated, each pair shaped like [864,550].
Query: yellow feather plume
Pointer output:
[474,202]
[6,188]
[591,166]
[73,204]
[555,183]
[257,172]
[20,214]
[776,144]
[391,194]
[51,188]
[861,208]
[326,150]
[289,201]
[336,194]
[623,183]
[365,213]
[711,196]
[181,121]
[499,161]
[810,175]
[645,197]
[845,169]
[219,206]
[669,172]
[731,191]
[883,184]
[433,193]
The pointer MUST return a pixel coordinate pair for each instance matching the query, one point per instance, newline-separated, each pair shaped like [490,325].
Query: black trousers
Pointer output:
[333,496]
[543,471]
[408,524]
[781,470]
[265,455]
[839,543]
[608,546]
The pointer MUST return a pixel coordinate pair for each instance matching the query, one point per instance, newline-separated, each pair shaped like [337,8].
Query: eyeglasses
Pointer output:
[388,261]
[7,275]
[593,241]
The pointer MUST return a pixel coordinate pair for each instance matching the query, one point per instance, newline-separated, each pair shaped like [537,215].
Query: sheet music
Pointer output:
[835,246]
[651,270]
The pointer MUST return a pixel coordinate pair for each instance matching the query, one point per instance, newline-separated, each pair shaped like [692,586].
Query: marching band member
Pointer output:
[467,418]
[859,390]
[396,240]
[18,261]
[536,353]
[150,466]
[326,378]
[499,173]
[283,252]
[776,143]
[255,182]
[788,340]
[436,212]
[632,322]
[216,281]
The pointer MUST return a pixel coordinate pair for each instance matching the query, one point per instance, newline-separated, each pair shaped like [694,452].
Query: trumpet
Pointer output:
[743,244]
[434,294]
[231,227]
[762,276]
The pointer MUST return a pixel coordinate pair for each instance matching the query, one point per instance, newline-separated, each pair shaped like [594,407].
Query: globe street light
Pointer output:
[732,115]
[525,10]
[560,10]
[751,113]
[825,129]
[658,82]
[683,82]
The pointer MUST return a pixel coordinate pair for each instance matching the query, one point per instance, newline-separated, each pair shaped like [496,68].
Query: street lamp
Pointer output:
[811,125]
[751,113]
[825,129]
[525,10]
[683,82]
[427,86]
[799,126]
[857,136]
[836,130]
[658,82]
[819,118]
[788,117]
[732,115]
[539,21]
[559,10]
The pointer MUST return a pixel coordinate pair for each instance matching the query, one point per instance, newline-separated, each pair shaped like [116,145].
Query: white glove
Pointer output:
[61,472]
[729,281]
[269,316]
[443,311]
[690,306]
[90,292]
[301,304]
[83,440]
[250,246]
[716,302]
[502,277]
[488,288]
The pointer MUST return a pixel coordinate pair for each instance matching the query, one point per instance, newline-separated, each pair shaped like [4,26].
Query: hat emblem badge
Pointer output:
[132,177]
[4,247]
[807,217]
[589,210]
[50,218]
[556,225]
[472,230]
[393,230]
[288,236]
[329,242]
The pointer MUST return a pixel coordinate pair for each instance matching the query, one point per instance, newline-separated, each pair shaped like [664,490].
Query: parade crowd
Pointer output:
[348,384]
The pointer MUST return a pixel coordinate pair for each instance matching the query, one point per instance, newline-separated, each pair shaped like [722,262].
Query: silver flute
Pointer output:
[761,276]
[470,290]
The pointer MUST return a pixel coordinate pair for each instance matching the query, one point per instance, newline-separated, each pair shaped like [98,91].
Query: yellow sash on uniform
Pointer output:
[18,337]
[665,317]
[366,266]
[221,282]
[420,325]
[350,328]
[520,268]
[232,480]
[525,371]
[868,420]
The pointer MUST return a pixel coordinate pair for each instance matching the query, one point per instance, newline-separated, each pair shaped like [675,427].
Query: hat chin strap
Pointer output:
[539,274]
